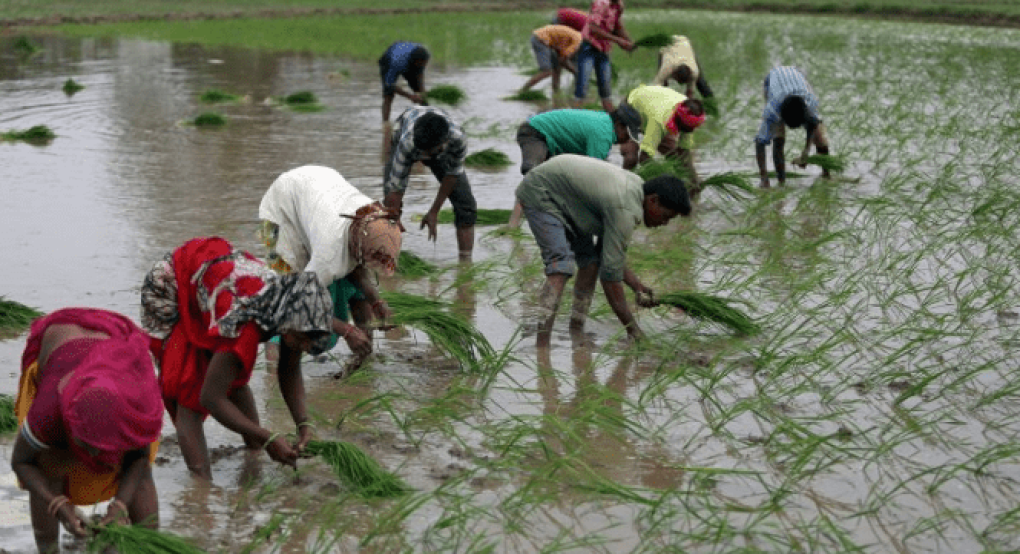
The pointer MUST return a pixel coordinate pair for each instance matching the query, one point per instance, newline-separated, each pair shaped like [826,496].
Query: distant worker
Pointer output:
[408,59]
[679,63]
[789,102]
[604,27]
[554,47]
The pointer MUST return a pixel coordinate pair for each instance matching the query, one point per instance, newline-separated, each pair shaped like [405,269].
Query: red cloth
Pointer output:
[100,391]
[607,16]
[575,19]
[184,356]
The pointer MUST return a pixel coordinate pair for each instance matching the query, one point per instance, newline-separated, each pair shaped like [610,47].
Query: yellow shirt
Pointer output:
[564,40]
[656,105]
[673,56]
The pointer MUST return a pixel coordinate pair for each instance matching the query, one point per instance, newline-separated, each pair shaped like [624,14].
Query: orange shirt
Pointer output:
[564,40]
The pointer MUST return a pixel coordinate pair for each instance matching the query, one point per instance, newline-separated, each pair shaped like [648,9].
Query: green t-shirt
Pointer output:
[592,198]
[584,132]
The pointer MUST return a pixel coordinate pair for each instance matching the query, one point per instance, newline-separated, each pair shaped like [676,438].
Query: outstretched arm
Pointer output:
[618,302]
[431,218]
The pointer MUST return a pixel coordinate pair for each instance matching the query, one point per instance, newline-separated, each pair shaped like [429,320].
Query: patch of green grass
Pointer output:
[209,119]
[37,134]
[213,96]
[71,87]
[446,94]
[530,95]
[486,216]
[361,474]
[490,157]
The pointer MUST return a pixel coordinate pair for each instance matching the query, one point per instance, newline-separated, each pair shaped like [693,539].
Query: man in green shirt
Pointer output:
[573,201]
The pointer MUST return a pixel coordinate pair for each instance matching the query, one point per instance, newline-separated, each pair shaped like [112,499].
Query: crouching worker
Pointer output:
[90,414]
[570,202]
[208,306]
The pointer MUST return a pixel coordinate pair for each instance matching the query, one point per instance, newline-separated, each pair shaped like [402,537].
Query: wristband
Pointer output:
[306,424]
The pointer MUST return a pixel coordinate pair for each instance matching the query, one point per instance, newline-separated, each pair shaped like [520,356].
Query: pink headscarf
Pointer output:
[683,114]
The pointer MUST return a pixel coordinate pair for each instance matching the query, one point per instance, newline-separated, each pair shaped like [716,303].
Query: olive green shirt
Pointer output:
[592,198]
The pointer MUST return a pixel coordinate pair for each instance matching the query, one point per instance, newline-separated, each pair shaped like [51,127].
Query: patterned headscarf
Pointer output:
[682,114]
[375,238]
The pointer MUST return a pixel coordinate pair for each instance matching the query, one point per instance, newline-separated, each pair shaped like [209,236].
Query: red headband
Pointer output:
[683,113]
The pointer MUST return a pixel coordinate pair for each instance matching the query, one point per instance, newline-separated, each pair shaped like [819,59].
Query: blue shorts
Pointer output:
[562,251]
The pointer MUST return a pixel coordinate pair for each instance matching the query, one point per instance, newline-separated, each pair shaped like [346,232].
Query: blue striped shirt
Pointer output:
[782,82]
[449,161]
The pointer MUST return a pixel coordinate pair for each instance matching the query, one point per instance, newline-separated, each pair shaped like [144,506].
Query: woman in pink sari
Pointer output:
[90,413]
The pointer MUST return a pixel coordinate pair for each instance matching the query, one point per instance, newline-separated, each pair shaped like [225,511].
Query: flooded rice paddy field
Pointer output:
[877,410]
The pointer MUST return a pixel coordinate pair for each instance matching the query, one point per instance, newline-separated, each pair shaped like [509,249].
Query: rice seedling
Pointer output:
[712,308]
[37,134]
[213,96]
[412,266]
[827,162]
[8,421]
[448,332]
[657,40]
[730,183]
[446,94]
[23,46]
[302,97]
[486,216]
[530,95]
[15,317]
[209,119]
[655,167]
[711,106]
[490,157]
[356,470]
[138,539]
[71,87]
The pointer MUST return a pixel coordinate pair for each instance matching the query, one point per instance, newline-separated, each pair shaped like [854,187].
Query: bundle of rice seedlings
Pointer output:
[303,97]
[727,182]
[24,46]
[213,96]
[658,40]
[357,470]
[490,157]
[711,106]
[37,134]
[827,162]
[529,95]
[712,308]
[485,216]
[71,86]
[137,539]
[15,317]
[655,167]
[450,333]
[446,94]
[410,265]
[209,119]
[8,421]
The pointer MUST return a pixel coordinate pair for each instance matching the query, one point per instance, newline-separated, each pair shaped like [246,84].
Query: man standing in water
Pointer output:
[428,135]
[570,202]
[408,59]
[789,102]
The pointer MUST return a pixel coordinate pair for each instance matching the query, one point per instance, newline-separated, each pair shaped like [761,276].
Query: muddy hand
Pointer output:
[358,342]
[430,220]
[280,451]
[72,521]
[304,437]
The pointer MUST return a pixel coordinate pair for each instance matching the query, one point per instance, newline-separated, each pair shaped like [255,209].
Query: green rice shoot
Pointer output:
[450,333]
[15,317]
[711,308]
[657,40]
[827,162]
[486,216]
[24,46]
[711,106]
[209,119]
[357,470]
[446,94]
[729,182]
[137,539]
[656,167]
[530,95]
[412,266]
[213,96]
[37,134]
[8,420]
[302,97]
[71,87]
[490,157]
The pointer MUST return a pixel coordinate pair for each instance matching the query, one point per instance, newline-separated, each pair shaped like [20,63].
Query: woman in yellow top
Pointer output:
[554,46]
[668,120]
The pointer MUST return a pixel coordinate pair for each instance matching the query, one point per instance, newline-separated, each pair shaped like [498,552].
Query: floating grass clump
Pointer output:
[15,317]
[485,216]
[213,96]
[446,94]
[357,470]
[711,308]
[827,162]
[657,40]
[209,119]
[411,265]
[71,87]
[137,539]
[529,95]
[450,333]
[8,421]
[490,157]
[38,134]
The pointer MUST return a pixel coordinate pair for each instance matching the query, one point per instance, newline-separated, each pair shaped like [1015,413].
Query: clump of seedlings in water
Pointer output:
[357,470]
[71,87]
[446,94]
[412,266]
[37,134]
[138,539]
[303,101]
[450,333]
[490,157]
[530,95]
[835,164]
[711,308]
[209,119]
[15,317]
[24,46]
[8,420]
[486,216]
[729,183]
[213,96]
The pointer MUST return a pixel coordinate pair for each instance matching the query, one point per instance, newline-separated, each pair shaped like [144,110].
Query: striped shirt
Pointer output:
[403,154]
[782,82]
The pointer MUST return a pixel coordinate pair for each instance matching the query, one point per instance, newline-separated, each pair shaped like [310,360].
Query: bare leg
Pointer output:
[779,159]
[144,506]
[245,401]
[549,300]
[584,290]
[387,103]
[191,437]
[465,242]
[515,215]
[534,80]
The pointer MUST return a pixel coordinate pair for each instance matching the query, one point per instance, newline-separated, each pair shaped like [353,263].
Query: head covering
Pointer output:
[682,115]
[631,118]
[375,238]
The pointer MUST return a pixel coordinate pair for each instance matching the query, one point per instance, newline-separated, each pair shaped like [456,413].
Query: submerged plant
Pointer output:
[213,96]
[209,119]
[71,87]
[446,94]
[712,308]
[450,333]
[486,216]
[357,470]
[138,539]
[411,265]
[37,134]
[530,95]
[8,420]
[490,157]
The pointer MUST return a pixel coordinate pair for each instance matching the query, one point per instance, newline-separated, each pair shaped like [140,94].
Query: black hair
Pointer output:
[694,106]
[683,70]
[793,110]
[430,130]
[419,54]
[672,193]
